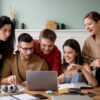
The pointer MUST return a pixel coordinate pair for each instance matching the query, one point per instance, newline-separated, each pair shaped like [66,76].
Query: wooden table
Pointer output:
[96,91]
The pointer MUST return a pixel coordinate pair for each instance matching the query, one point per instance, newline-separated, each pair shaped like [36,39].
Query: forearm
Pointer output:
[89,77]
[4,81]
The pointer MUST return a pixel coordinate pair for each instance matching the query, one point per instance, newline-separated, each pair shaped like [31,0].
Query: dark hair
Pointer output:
[74,45]
[93,15]
[24,37]
[49,34]
[7,47]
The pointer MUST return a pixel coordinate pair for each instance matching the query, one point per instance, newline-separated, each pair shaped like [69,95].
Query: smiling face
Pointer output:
[69,54]
[46,45]
[5,32]
[91,26]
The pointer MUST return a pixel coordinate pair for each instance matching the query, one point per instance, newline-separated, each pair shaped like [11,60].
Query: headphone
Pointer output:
[7,89]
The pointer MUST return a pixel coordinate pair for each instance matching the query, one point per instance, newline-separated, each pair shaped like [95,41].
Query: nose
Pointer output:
[8,33]
[87,27]
[29,51]
[46,48]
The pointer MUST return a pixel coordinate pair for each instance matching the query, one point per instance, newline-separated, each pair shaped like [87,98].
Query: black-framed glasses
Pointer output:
[27,49]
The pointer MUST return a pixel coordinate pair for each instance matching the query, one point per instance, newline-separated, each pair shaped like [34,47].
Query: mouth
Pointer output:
[90,30]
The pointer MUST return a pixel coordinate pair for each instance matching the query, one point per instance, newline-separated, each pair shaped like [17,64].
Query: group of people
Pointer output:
[43,54]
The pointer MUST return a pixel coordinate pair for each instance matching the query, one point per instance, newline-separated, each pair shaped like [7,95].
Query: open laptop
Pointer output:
[41,80]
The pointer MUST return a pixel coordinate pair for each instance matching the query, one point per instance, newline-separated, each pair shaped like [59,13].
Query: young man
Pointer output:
[46,49]
[15,67]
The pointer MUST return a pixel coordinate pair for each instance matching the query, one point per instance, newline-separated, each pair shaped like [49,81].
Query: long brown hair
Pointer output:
[7,47]
[74,45]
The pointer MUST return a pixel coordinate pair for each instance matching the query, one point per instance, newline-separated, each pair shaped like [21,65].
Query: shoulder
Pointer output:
[10,59]
[55,49]
[89,39]
[38,58]
[86,65]
[35,41]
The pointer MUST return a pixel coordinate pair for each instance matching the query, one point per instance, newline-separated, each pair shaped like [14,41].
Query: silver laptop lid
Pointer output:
[41,80]
[71,97]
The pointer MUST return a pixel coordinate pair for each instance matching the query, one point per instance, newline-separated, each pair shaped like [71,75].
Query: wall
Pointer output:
[35,13]
[62,36]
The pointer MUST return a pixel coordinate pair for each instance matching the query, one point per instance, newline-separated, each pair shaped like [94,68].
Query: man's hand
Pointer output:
[12,79]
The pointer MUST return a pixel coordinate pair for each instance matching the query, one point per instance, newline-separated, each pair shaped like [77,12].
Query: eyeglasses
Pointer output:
[5,30]
[26,49]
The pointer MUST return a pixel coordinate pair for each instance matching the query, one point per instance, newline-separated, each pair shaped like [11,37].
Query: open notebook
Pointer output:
[75,85]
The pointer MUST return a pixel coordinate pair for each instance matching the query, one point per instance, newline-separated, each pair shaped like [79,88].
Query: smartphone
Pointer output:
[39,96]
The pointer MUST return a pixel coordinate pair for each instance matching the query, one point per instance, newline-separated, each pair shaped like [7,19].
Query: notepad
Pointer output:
[18,97]
[75,85]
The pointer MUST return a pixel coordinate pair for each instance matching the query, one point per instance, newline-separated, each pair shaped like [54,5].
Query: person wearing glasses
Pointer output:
[7,38]
[15,67]
[45,48]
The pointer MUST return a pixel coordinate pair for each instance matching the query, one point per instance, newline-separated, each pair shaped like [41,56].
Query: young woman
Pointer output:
[74,69]
[7,37]
[91,48]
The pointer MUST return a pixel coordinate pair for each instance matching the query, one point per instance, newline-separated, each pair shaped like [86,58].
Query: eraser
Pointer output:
[49,92]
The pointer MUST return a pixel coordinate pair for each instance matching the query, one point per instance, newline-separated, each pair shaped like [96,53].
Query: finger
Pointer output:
[14,79]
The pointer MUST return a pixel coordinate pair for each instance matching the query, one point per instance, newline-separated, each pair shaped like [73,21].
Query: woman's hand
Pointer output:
[61,78]
[95,64]
[74,67]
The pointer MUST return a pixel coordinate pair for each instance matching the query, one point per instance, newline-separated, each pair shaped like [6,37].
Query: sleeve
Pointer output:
[44,66]
[86,53]
[56,65]
[6,69]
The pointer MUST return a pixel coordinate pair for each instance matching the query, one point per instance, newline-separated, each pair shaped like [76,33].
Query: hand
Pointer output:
[12,79]
[95,64]
[61,78]
[74,67]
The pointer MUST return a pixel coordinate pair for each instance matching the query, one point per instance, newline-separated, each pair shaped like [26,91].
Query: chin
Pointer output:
[4,39]
[46,52]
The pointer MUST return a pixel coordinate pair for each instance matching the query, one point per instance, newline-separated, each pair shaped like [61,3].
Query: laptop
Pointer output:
[71,97]
[41,80]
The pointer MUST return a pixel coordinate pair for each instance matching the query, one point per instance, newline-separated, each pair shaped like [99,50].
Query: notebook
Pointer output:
[41,80]
[77,85]
[71,97]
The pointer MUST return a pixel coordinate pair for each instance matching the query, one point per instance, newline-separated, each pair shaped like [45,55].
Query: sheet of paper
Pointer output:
[18,97]
[5,98]
[25,97]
